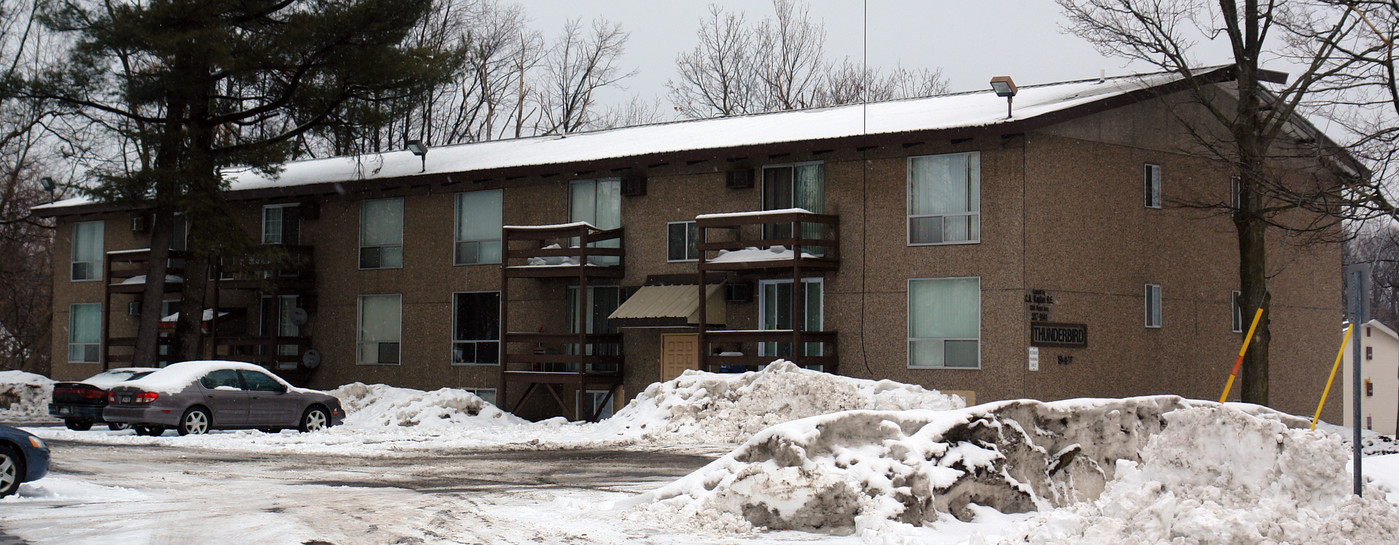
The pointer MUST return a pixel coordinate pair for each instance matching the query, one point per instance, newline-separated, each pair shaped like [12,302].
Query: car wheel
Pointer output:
[11,471]
[315,419]
[78,424]
[118,426]
[195,421]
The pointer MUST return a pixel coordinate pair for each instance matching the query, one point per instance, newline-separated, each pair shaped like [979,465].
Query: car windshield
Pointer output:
[106,379]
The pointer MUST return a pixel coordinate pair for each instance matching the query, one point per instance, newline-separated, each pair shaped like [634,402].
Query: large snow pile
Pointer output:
[379,406]
[25,394]
[731,407]
[1216,475]
[828,472]
[1138,470]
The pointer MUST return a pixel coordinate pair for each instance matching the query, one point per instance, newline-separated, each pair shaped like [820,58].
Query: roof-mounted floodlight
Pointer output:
[47,183]
[1004,87]
[419,149]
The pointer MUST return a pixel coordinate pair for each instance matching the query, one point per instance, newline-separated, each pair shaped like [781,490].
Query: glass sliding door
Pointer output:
[776,314]
[599,203]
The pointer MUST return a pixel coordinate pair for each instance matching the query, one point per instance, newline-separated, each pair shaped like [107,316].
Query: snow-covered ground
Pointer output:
[806,457]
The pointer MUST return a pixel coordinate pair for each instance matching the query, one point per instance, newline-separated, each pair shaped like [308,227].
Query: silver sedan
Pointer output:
[195,397]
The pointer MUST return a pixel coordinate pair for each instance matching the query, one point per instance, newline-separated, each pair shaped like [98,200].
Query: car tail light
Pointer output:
[146,397]
[93,394]
[111,397]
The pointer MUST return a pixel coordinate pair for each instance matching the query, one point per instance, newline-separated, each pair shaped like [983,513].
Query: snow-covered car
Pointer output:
[195,397]
[80,404]
[23,458]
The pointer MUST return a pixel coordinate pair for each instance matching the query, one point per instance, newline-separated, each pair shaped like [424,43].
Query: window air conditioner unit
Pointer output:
[140,223]
[133,308]
[738,293]
[634,185]
[739,179]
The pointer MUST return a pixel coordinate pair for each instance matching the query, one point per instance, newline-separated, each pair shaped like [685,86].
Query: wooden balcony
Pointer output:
[125,271]
[562,251]
[767,241]
[748,342]
[266,350]
[294,272]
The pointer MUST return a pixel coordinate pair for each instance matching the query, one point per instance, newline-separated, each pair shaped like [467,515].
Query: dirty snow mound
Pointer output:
[379,406]
[1216,475]
[729,408]
[25,394]
[842,471]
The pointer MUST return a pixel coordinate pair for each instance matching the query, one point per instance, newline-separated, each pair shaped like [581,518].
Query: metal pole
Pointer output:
[1358,283]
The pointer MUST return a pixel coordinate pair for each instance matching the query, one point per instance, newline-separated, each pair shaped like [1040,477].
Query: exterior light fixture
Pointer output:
[47,183]
[1004,87]
[419,149]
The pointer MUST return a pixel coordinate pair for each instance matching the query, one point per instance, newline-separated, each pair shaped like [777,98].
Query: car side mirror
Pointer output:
[281,388]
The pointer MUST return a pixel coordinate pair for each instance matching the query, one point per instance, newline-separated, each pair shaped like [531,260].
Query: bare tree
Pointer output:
[1250,131]
[848,83]
[790,57]
[579,64]
[633,112]
[717,77]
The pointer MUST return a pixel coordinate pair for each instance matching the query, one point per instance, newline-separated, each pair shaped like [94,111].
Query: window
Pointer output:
[258,381]
[1235,193]
[1236,311]
[381,234]
[1151,185]
[281,224]
[222,378]
[594,400]
[476,328]
[276,321]
[486,394]
[380,317]
[1369,353]
[598,202]
[1153,305]
[776,314]
[604,300]
[944,199]
[87,250]
[681,237]
[84,332]
[944,323]
[801,185]
[478,225]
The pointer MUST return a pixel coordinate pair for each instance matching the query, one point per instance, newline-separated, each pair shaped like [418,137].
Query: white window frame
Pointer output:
[908,359]
[359,328]
[1152,302]
[909,216]
[587,397]
[765,347]
[478,391]
[1151,185]
[281,221]
[500,345]
[690,231]
[381,247]
[95,267]
[457,220]
[1236,312]
[71,330]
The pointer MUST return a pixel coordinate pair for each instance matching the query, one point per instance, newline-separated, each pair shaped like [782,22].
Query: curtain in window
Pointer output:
[777,314]
[381,222]
[598,202]
[478,227]
[84,331]
[944,198]
[272,225]
[379,322]
[87,241]
[944,322]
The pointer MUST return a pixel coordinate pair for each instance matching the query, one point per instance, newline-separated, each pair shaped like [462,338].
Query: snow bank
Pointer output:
[731,407]
[380,406]
[1216,475]
[25,394]
[1137,470]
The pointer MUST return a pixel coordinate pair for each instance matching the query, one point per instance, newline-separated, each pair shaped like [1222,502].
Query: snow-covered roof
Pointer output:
[953,111]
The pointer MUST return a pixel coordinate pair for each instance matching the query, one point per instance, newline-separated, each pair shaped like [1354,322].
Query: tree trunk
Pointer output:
[1253,287]
[147,352]
[189,336]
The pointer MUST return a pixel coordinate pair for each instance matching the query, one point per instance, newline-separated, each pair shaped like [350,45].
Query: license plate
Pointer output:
[63,410]
[126,399]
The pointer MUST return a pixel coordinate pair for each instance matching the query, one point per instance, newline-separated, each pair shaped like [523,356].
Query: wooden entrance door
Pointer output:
[678,353]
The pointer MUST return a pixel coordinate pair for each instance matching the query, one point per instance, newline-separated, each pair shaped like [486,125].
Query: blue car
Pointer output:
[23,458]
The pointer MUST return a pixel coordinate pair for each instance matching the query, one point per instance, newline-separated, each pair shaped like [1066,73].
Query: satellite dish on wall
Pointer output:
[311,359]
[299,316]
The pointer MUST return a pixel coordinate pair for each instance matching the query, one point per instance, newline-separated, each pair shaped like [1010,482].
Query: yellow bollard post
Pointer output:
[1240,360]
[1334,366]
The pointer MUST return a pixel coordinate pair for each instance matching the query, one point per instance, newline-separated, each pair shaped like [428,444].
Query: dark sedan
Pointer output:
[195,397]
[80,404]
[23,458]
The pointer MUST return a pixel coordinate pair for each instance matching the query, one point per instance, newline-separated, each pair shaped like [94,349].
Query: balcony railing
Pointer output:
[564,250]
[772,239]
[295,270]
[739,349]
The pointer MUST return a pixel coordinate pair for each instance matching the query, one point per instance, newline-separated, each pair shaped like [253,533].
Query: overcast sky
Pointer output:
[970,40]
